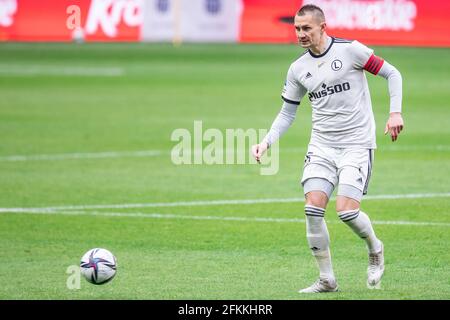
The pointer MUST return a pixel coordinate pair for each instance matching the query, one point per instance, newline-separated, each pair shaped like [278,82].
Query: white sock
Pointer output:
[319,240]
[360,223]
[323,259]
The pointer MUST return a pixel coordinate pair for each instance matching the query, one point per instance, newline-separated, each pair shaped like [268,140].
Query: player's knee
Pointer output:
[317,192]
[344,204]
[316,199]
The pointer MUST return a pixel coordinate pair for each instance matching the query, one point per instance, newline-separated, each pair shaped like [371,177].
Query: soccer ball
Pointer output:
[98,266]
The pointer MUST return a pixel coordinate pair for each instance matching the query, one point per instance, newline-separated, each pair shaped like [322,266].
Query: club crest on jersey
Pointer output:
[336,65]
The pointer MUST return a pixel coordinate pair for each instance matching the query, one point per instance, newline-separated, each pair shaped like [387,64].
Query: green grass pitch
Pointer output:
[65,99]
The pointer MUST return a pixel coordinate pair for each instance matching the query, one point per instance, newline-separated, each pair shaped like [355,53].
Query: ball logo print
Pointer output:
[98,266]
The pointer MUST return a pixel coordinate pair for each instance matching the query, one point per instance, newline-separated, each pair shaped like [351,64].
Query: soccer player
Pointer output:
[340,152]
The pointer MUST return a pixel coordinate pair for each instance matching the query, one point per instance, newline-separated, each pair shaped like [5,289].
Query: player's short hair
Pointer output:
[312,9]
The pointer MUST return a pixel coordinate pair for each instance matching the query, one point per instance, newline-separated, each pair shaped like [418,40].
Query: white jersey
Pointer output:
[336,85]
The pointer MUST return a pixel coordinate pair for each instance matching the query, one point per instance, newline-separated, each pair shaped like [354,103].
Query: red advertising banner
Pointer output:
[375,22]
[64,20]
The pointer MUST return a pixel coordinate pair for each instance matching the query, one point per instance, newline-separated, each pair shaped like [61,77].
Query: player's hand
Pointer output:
[258,150]
[394,125]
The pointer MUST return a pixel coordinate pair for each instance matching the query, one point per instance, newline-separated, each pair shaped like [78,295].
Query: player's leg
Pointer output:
[318,236]
[316,228]
[317,173]
[349,212]
[353,182]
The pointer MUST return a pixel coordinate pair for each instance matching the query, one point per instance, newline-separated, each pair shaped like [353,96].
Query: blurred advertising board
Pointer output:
[192,21]
[65,20]
[375,22]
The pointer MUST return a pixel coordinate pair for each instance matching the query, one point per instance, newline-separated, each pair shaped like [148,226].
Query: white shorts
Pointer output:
[348,168]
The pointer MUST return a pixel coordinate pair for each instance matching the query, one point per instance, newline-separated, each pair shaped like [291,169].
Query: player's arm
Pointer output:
[279,126]
[394,125]
[365,58]
[292,94]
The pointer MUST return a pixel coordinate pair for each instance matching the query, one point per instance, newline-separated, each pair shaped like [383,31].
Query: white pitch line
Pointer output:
[214,202]
[220,218]
[149,153]
[37,70]
[86,155]
[93,155]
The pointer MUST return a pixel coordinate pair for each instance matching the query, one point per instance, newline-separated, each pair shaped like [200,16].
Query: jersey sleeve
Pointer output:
[293,91]
[364,58]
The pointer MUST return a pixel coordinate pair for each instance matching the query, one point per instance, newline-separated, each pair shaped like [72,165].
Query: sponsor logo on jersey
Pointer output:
[329,90]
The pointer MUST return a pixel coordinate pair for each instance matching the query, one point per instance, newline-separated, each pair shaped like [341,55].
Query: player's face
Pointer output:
[308,30]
